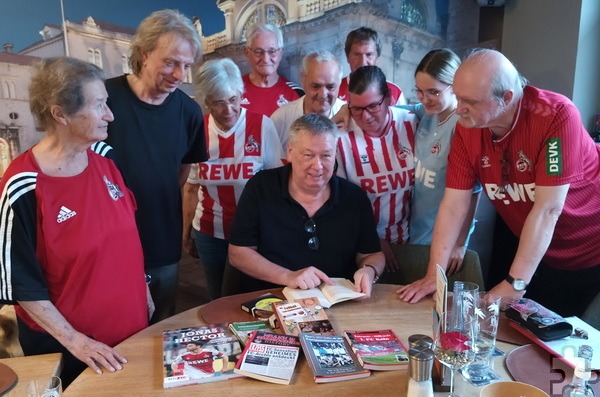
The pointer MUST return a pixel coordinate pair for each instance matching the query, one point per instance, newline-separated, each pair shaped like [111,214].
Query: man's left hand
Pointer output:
[456,260]
[391,264]
[506,292]
[363,281]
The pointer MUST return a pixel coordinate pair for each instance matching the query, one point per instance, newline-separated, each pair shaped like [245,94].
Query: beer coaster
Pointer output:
[8,377]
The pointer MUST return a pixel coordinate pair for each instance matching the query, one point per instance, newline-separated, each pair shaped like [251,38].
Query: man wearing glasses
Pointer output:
[377,154]
[299,225]
[265,90]
[539,168]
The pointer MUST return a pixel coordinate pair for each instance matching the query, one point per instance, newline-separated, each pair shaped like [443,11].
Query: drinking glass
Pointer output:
[466,293]
[50,388]
[453,336]
[485,312]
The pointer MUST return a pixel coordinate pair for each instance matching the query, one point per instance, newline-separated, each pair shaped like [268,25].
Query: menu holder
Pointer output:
[440,373]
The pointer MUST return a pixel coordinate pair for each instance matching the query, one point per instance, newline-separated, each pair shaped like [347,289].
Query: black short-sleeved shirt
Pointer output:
[270,219]
[150,143]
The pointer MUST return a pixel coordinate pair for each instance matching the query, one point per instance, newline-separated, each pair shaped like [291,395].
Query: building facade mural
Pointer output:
[408,29]
[17,128]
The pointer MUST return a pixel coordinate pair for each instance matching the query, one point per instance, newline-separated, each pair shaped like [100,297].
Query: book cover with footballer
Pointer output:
[201,354]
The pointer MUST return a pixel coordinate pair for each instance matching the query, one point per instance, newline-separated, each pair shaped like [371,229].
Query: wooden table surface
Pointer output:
[31,368]
[143,374]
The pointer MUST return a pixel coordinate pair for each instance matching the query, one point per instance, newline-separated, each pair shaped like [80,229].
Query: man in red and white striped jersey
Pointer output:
[540,169]
[377,153]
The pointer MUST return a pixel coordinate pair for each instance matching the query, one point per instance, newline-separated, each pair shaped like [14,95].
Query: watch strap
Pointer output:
[511,280]
[374,271]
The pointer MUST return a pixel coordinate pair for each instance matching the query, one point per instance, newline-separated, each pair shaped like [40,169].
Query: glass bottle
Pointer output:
[579,386]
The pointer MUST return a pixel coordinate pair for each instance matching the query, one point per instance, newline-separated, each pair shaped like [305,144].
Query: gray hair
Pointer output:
[153,27]
[59,81]
[218,77]
[506,76]
[264,28]
[314,124]
[320,56]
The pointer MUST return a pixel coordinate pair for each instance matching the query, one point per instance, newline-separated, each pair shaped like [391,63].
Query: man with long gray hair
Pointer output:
[157,133]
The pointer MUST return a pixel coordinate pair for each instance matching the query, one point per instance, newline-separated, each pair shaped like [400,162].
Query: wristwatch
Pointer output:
[517,283]
[374,271]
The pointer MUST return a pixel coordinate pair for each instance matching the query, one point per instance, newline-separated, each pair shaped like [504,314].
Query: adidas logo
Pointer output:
[65,214]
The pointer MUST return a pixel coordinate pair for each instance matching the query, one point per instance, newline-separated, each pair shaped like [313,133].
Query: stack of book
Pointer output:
[224,351]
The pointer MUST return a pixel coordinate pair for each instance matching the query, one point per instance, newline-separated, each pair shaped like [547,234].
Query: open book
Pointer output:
[328,295]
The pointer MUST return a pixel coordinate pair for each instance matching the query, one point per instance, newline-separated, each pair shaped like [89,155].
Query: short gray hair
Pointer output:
[153,27]
[59,81]
[217,77]
[320,56]
[314,124]
[507,77]
[257,28]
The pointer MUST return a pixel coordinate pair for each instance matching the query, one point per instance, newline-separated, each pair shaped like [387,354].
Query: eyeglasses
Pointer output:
[371,109]
[430,94]
[259,52]
[221,105]
[311,227]
[505,169]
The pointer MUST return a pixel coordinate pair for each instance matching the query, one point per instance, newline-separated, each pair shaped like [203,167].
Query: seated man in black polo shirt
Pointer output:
[298,225]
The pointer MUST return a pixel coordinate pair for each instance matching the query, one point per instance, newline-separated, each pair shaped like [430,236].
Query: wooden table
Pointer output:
[143,374]
[31,368]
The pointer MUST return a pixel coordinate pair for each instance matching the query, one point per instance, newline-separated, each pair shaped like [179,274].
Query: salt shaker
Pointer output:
[420,340]
[420,363]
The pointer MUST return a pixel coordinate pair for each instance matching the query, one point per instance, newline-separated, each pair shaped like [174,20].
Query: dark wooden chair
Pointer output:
[413,260]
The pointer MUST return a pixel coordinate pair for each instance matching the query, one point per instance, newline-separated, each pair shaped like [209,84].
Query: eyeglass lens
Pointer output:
[311,227]
[430,93]
[231,102]
[372,108]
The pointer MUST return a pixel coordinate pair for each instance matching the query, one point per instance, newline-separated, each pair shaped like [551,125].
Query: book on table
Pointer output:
[330,359]
[328,295]
[269,357]
[379,350]
[206,353]
[243,329]
[260,307]
[302,315]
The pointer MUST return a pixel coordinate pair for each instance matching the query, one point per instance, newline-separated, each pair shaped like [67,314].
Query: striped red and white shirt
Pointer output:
[384,168]
[234,156]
